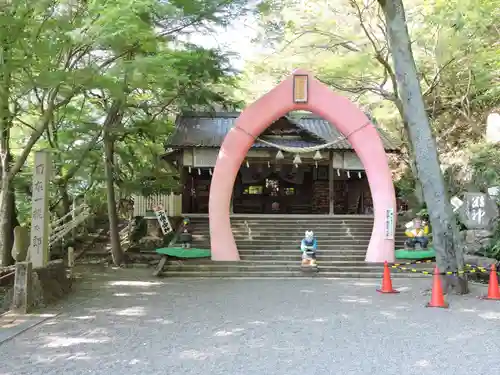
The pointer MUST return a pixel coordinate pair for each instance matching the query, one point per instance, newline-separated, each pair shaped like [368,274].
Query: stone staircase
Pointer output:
[269,247]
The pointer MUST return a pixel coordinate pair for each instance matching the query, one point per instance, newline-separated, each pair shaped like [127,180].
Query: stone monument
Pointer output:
[40,230]
[478,213]
[21,243]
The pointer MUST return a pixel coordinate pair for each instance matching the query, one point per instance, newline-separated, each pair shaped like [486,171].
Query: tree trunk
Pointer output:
[446,240]
[113,118]
[6,233]
[5,156]
[65,200]
[418,193]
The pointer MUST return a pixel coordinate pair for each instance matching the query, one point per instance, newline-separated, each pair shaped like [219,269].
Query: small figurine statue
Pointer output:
[417,232]
[186,237]
[275,207]
[308,247]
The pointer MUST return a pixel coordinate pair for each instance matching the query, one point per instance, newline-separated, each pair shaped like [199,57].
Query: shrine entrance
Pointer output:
[300,92]
[279,192]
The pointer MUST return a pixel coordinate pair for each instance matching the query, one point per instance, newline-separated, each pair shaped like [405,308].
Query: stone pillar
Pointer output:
[330,183]
[71,260]
[22,297]
[40,231]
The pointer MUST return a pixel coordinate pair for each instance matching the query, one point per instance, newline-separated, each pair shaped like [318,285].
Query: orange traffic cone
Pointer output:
[437,297]
[493,290]
[386,281]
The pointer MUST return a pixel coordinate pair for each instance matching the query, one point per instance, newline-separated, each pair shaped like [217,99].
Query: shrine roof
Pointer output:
[204,129]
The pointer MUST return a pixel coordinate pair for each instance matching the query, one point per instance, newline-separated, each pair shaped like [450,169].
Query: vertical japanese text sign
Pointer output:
[389,224]
[39,245]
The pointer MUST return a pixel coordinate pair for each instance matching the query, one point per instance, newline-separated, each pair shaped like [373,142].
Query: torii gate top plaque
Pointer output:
[301,91]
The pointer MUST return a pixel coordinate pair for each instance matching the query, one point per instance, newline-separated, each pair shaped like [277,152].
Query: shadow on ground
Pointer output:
[125,321]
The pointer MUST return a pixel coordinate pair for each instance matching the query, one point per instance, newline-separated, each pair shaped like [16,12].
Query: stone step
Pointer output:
[358,251]
[269,247]
[294,257]
[293,237]
[292,261]
[297,227]
[293,225]
[272,232]
[325,252]
[265,267]
[296,241]
[265,217]
[286,274]
[361,249]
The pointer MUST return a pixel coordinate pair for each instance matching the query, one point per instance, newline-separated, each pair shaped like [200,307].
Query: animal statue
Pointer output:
[308,246]
[186,237]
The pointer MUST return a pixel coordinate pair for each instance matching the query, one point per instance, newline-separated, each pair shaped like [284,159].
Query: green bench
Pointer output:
[428,253]
[178,252]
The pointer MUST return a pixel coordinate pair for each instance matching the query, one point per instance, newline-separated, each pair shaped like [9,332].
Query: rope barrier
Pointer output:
[470,268]
[301,150]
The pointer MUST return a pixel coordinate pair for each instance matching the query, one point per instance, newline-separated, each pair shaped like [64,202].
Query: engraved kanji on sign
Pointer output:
[478,211]
[162,218]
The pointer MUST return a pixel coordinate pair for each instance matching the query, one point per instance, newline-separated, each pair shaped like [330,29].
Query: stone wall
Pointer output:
[320,201]
[475,239]
[46,286]
[50,284]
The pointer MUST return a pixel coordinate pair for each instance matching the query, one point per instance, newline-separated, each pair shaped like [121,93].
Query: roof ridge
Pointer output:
[306,129]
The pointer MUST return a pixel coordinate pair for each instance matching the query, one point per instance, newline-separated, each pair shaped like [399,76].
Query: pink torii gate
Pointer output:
[352,123]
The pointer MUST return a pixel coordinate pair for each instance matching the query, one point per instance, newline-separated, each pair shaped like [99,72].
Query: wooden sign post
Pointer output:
[162,218]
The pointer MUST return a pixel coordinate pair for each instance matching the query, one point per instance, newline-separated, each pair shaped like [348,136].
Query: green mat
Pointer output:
[180,252]
[415,254]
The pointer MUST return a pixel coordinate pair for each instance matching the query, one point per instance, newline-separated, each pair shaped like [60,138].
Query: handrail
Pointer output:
[58,232]
[84,206]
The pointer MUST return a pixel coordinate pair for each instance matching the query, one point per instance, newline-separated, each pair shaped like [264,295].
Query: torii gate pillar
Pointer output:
[301,91]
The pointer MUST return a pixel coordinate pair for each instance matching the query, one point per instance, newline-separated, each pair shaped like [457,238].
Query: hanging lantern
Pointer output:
[247,164]
[348,174]
[199,172]
[269,164]
[296,159]
[317,156]
[359,175]
[279,155]
[338,172]
[189,169]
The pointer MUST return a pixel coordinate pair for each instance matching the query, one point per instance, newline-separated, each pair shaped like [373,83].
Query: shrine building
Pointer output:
[325,181]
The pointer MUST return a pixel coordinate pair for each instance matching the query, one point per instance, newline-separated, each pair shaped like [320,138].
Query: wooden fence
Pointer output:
[143,206]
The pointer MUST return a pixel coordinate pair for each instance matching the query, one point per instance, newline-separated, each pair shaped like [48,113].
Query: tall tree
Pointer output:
[345,44]
[446,239]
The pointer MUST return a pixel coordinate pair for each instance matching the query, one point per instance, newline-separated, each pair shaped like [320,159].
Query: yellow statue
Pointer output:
[417,232]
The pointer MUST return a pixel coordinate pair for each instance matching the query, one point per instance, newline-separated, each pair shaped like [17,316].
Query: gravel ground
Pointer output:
[126,322]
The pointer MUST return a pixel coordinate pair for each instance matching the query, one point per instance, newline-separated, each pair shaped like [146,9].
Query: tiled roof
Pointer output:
[209,130]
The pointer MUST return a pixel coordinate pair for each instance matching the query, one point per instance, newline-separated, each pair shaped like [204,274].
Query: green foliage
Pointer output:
[485,164]
[493,250]
[405,187]
[455,45]
[66,64]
